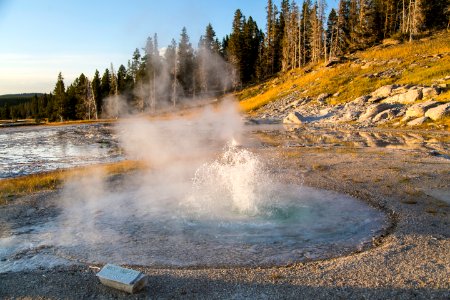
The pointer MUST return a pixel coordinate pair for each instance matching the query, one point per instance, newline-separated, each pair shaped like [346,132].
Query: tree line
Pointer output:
[296,34]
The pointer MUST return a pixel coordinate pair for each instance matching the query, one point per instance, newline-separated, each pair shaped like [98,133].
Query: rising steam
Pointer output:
[188,177]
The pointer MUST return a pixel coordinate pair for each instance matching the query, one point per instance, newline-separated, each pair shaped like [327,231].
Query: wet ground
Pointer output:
[34,149]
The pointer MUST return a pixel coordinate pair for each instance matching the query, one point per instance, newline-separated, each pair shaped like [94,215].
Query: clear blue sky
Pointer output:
[40,38]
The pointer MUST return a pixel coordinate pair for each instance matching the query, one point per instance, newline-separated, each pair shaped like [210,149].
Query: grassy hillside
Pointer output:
[420,62]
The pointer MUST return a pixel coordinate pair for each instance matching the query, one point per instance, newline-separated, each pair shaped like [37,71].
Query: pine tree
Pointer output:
[208,61]
[150,74]
[252,38]
[90,101]
[113,82]
[437,14]
[97,92]
[135,65]
[270,38]
[388,11]
[342,40]
[171,61]
[234,47]
[332,33]
[122,84]
[105,87]
[290,37]
[81,92]
[60,99]
[316,34]
[363,29]
[185,63]
[417,11]
[353,23]
[294,34]
[305,31]
[278,40]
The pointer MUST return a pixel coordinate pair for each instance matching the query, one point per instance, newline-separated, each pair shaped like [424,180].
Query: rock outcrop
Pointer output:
[438,112]
[374,110]
[385,104]
[419,109]
[409,97]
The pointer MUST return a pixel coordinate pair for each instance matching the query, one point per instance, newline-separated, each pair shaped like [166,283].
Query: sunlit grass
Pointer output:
[444,97]
[427,76]
[9,188]
[436,45]
[79,122]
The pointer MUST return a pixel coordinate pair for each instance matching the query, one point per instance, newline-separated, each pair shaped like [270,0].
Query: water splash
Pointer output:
[233,183]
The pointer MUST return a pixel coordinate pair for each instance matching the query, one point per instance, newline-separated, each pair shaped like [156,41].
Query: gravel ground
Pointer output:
[411,260]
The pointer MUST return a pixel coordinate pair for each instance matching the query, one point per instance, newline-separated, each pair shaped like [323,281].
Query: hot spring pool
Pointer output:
[230,213]
[306,223]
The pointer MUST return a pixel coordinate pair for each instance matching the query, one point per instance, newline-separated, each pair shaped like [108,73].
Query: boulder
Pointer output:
[350,115]
[359,101]
[333,61]
[294,118]
[419,109]
[384,116]
[322,97]
[292,104]
[401,89]
[384,91]
[430,92]
[409,97]
[406,119]
[417,122]
[374,110]
[438,112]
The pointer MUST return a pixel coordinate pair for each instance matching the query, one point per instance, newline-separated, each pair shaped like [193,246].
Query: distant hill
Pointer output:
[14,99]
[23,95]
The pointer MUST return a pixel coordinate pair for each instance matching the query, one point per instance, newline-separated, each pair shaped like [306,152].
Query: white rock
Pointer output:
[417,122]
[419,109]
[322,97]
[438,112]
[384,91]
[384,116]
[406,98]
[430,92]
[294,118]
[358,101]
[374,110]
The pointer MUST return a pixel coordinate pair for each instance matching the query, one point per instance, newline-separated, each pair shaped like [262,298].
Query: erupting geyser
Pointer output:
[195,207]
[230,213]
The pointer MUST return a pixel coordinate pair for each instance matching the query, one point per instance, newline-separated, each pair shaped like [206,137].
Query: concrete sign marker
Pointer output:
[123,279]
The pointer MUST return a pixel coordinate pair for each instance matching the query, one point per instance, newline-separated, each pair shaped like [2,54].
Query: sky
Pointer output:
[40,38]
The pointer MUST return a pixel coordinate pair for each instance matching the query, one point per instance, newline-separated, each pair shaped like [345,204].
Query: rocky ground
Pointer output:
[394,105]
[410,183]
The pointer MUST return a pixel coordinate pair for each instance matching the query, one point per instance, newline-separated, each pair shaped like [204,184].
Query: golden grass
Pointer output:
[78,122]
[427,76]
[351,81]
[440,43]
[9,188]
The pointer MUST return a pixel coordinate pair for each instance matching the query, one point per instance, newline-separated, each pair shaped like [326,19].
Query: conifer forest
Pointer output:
[296,34]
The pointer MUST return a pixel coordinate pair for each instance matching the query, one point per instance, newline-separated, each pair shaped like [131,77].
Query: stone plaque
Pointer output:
[121,278]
